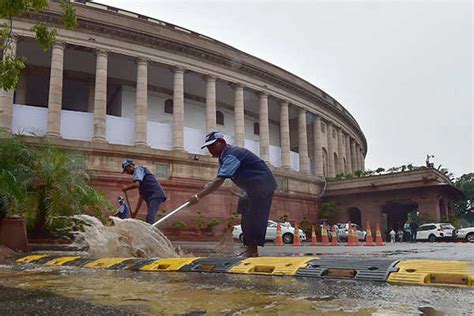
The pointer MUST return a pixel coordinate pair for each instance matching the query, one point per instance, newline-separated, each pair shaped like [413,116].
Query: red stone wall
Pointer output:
[218,205]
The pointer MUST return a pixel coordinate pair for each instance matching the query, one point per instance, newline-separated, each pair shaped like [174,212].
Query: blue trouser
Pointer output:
[255,219]
[153,206]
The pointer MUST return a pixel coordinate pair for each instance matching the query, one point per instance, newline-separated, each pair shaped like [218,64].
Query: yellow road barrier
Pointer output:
[169,264]
[105,263]
[60,261]
[272,265]
[433,272]
[31,258]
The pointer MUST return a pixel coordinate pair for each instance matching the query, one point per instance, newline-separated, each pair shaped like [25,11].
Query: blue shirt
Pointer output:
[123,211]
[247,171]
[149,187]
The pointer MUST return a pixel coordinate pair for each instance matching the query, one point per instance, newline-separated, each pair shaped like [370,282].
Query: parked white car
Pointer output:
[435,231]
[342,231]
[465,233]
[287,232]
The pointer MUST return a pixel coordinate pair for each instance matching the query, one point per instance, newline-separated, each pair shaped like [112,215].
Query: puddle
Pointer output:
[224,294]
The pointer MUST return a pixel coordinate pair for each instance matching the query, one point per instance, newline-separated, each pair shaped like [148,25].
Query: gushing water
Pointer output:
[126,238]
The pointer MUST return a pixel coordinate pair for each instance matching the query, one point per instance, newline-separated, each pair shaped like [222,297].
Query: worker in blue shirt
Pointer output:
[251,175]
[122,212]
[148,186]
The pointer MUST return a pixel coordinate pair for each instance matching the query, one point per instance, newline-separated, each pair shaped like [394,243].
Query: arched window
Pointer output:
[169,106]
[256,128]
[219,118]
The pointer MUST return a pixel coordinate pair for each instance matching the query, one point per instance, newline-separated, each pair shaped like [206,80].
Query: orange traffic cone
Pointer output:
[356,237]
[378,237]
[279,240]
[296,236]
[334,236]
[368,236]
[350,236]
[314,240]
[324,236]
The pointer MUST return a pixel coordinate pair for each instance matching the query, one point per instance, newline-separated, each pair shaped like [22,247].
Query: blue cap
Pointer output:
[126,163]
[211,138]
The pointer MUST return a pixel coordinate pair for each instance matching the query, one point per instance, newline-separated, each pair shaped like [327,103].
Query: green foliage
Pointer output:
[306,226]
[10,8]
[11,67]
[358,173]
[178,225]
[329,211]
[69,15]
[213,223]
[465,184]
[44,37]
[283,218]
[340,176]
[379,170]
[44,182]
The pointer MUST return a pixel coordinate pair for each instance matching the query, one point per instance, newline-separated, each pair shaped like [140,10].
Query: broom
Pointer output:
[226,244]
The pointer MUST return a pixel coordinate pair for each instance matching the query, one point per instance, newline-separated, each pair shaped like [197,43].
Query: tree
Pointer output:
[328,211]
[42,182]
[11,66]
[465,184]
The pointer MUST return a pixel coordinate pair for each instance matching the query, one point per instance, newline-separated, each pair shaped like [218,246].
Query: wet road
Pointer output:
[42,290]
[46,290]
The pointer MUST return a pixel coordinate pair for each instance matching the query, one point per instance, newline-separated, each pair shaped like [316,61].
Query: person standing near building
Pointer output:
[392,236]
[148,186]
[400,235]
[251,175]
[413,230]
[122,212]
[406,229]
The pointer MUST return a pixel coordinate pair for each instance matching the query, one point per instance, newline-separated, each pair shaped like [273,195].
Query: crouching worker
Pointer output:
[148,186]
[122,211]
[252,176]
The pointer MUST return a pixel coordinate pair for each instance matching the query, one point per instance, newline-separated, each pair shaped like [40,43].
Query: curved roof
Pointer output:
[133,27]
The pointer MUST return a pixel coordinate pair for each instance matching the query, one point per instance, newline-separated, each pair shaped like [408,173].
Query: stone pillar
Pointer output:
[239,115]
[303,141]
[55,90]
[210,104]
[264,127]
[341,149]
[348,154]
[178,109]
[353,156]
[141,107]
[6,97]
[285,135]
[331,147]
[359,167]
[318,147]
[362,160]
[100,97]
[21,87]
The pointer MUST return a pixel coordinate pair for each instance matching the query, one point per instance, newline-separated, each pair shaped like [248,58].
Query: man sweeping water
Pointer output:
[148,186]
[250,174]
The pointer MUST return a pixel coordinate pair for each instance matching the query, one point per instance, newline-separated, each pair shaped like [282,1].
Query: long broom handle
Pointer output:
[183,206]
[129,205]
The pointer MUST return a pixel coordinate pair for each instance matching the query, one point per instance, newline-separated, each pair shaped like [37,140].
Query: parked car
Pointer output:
[342,231]
[465,233]
[435,231]
[287,232]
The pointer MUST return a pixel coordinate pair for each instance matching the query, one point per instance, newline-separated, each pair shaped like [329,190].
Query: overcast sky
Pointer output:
[402,68]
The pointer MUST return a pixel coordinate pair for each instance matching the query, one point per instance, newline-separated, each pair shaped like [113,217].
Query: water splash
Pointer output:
[126,238]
